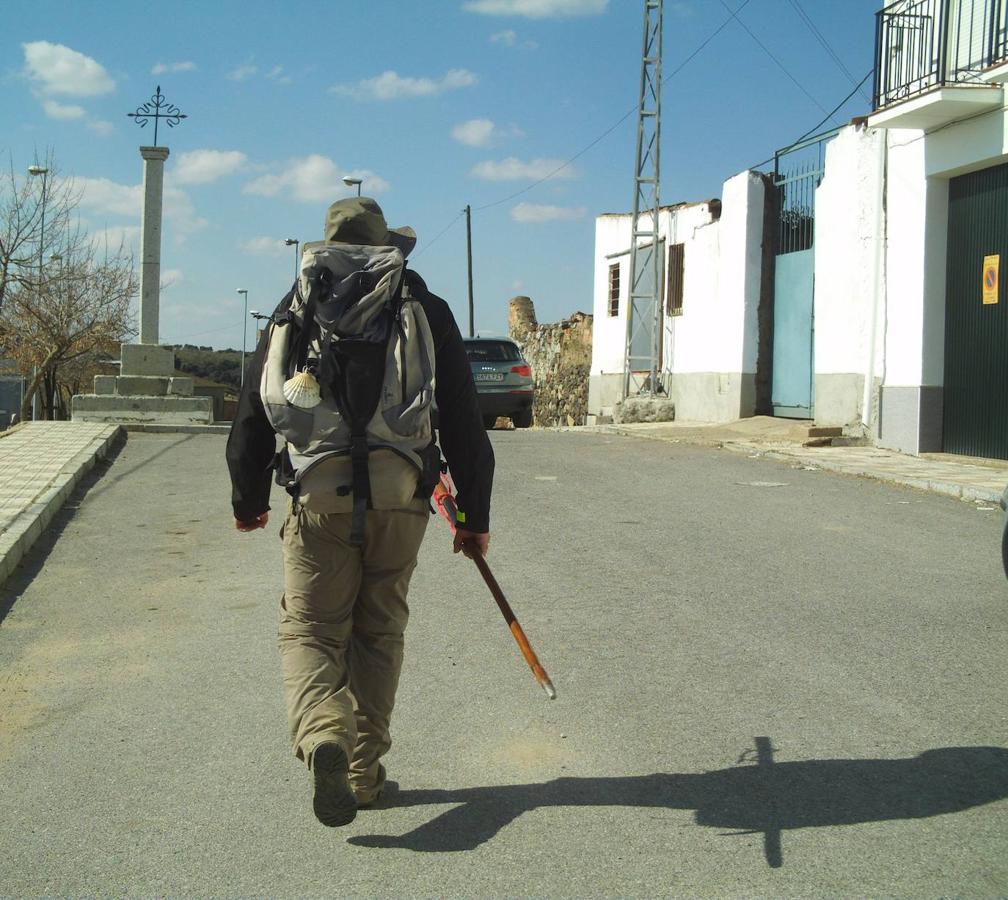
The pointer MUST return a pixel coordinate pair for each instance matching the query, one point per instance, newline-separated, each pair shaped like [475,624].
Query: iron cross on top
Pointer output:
[157,108]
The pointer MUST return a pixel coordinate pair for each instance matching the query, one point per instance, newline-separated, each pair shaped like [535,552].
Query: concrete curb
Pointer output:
[28,525]
[149,428]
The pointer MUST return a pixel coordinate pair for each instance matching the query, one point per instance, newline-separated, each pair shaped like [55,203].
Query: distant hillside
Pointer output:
[223,366]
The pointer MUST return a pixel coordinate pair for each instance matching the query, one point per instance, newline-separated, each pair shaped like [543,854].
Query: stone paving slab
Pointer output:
[40,465]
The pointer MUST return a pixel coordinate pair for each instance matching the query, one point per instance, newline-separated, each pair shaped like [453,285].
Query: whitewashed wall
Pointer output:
[711,348]
[919,168]
[849,279]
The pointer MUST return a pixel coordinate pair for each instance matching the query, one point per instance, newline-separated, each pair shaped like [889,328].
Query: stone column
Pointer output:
[150,246]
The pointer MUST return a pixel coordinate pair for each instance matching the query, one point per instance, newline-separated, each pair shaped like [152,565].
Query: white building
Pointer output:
[892,321]
[711,291]
[940,100]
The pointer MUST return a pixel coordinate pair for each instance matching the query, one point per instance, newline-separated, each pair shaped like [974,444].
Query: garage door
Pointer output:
[976,316]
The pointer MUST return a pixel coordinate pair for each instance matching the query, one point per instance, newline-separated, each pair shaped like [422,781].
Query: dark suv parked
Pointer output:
[503,380]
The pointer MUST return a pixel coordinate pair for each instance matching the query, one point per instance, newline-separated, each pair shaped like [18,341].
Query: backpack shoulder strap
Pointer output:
[318,283]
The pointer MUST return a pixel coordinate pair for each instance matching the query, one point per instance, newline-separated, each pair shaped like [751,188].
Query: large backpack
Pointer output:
[350,367]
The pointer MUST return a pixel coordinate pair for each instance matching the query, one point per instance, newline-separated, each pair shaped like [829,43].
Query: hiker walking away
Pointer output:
[346,372]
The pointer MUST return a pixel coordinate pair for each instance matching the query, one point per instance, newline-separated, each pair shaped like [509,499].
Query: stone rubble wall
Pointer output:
[560,357]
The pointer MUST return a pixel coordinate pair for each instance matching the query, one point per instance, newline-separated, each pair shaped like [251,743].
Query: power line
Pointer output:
[440,234]
[823,121]
[766,50]
[838,107]
[619,121]
[825,43]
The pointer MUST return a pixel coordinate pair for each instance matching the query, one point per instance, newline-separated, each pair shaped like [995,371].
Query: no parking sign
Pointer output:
[990,279]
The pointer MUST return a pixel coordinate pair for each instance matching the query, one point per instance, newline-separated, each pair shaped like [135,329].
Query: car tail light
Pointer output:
[522,370]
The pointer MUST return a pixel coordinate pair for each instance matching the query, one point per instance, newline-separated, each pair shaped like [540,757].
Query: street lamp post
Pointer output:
[43,171]
[60,286]
[295,243]
[350,182]
[244,292]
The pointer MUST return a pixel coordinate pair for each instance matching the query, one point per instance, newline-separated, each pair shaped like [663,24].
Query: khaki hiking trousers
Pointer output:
[341,624]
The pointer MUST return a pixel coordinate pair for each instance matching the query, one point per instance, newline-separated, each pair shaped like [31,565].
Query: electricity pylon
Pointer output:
[644,312]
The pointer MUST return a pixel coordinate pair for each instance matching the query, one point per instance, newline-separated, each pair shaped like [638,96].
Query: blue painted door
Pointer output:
[792,391]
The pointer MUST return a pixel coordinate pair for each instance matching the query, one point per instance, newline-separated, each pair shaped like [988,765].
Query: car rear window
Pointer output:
[492,351]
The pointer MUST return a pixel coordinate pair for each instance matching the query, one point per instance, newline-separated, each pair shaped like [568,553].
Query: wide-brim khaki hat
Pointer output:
[359,220]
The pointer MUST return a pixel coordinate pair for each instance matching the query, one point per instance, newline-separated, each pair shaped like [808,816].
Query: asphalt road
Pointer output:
[771,682]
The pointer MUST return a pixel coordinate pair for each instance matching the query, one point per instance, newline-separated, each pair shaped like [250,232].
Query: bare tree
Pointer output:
[27,203]
[79,311]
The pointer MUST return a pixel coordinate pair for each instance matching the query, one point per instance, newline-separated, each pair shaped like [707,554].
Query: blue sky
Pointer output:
[435,104]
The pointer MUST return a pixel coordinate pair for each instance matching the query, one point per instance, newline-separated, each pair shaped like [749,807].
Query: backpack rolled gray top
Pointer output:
[360,220]
[350,368]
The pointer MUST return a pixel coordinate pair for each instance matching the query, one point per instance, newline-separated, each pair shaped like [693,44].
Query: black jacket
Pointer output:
[251,446]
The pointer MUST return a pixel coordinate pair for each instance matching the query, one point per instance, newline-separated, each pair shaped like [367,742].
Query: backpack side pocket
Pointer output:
[409,374]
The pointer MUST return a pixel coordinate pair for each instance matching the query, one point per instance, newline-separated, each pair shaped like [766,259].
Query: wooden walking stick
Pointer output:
[445,502]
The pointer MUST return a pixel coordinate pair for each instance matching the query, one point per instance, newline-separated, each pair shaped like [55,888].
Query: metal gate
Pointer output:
[798,169]
[976,316]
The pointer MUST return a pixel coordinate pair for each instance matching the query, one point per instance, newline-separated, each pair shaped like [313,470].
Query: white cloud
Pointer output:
[114,236]
[204,166]
[509,38]
[106,197]
[537,9]
[241,73]
[171,277]
[179,210]
[512,169]
[264,246]
[162,68]
[101,127]
[536,212]
[484,133]
[56,69]
[313,179]
[474,133]
[392,86]
[72,112]
[62,111]
[277,74]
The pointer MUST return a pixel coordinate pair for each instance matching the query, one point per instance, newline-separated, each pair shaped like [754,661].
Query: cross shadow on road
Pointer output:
[767,798]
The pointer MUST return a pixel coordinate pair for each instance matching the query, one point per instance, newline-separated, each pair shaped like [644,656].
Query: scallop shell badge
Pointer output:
[302,390]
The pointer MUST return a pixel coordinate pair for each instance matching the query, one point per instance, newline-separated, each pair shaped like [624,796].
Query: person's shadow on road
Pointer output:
[767,798]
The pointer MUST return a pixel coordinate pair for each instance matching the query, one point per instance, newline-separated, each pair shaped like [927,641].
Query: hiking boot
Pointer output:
[334,800]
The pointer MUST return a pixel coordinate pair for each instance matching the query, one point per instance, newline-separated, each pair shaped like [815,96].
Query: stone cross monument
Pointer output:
[147,390]
[150,243]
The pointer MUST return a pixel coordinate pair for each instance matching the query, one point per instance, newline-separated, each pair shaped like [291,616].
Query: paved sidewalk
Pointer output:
[978,480]
[40,465]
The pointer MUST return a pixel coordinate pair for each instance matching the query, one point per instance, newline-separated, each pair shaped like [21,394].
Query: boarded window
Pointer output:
[676,269]
[614,289]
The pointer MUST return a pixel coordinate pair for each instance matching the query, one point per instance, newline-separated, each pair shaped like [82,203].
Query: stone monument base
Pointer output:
[149,391]
[167,410]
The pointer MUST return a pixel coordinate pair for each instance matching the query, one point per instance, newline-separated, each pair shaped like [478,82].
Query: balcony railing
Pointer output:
[925,44]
